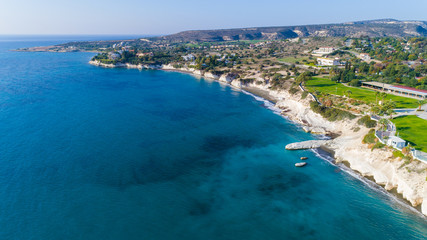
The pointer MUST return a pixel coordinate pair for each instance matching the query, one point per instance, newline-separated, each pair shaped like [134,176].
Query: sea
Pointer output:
[95,153]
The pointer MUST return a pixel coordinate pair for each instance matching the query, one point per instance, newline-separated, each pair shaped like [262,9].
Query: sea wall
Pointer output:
[409,180]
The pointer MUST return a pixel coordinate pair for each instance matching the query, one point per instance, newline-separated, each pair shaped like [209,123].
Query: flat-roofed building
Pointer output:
[328,61]
[396,90]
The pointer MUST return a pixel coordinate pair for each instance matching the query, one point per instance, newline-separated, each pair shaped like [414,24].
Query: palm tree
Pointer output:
[420,103]
[376,97]
[384,122]
[390,112]
[383,95]
[375,109]
[388,108]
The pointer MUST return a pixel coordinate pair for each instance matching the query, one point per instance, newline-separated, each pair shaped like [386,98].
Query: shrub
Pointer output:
[332,114]
[378,145]
[354,83]
[293,90]
[304,95]
[406,150]
[367,121]
[247,81]
[370,137]
[397,154]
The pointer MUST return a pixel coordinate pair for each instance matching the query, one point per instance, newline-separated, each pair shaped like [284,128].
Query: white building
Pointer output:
[328,61]
[189,57]
[324,50]
[114,55]
[365,57]
[396,142]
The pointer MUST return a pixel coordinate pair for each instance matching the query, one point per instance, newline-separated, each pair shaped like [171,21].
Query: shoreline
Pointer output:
[365,172]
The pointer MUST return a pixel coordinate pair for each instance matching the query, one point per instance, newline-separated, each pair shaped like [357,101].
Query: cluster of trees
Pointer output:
[344,75]
[393,49]
[209,63]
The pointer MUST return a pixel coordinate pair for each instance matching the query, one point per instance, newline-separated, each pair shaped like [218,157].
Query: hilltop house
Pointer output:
[328,61]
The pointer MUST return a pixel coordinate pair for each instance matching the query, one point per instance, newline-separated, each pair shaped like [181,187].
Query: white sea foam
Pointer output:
[267,103]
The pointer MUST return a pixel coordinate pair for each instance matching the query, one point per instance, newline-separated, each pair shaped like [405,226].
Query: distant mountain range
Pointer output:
[371,28]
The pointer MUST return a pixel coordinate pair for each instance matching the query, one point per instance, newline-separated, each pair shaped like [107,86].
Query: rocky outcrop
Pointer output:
[227,78]
[306,144]
[211,76]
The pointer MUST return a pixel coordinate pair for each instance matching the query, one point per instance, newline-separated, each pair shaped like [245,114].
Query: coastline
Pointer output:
[377,166]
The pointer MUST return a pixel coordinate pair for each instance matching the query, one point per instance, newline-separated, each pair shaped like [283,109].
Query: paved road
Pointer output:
[423,115]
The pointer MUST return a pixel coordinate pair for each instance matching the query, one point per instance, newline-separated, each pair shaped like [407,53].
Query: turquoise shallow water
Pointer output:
[93,153]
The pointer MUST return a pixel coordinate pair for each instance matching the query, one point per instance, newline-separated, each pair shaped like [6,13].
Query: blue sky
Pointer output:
[170,16]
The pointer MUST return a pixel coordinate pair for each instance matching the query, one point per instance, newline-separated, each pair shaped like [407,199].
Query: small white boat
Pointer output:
[300,164]
[303,158]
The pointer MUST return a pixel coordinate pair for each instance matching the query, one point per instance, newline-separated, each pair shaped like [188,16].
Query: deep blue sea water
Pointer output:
[93,153]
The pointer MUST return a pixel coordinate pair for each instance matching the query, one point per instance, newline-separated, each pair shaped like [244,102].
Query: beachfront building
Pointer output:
[396,142]
[396,90]
[328,61]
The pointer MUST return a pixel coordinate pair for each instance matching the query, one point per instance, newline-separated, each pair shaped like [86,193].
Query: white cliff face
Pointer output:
[409,180]
[211,76]
[225,78]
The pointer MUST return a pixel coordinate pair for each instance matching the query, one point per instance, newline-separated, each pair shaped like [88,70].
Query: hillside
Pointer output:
[372,28]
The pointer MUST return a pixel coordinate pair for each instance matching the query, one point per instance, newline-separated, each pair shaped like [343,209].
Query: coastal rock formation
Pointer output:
[227,78]
[211,76]
[306,144]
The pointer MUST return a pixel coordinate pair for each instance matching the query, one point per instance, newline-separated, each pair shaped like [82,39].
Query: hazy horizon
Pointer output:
[132,17]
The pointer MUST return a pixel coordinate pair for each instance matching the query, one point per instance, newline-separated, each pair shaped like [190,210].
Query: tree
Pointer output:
[304,77]
[376,97]
[383,95]
[383,123]
[390,112]
[348,93]
[388,108]
[420,103]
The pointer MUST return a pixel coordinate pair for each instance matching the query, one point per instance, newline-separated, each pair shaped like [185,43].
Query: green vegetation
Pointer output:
[367,121]
[370,137]
[330,113]
[378,145]
[413,129]
[295,60]
[304,95]
[324,85]
[397,154]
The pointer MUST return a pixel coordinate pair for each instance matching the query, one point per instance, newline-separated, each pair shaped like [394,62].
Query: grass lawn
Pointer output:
[327,86]
[293,60]
[413,129]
